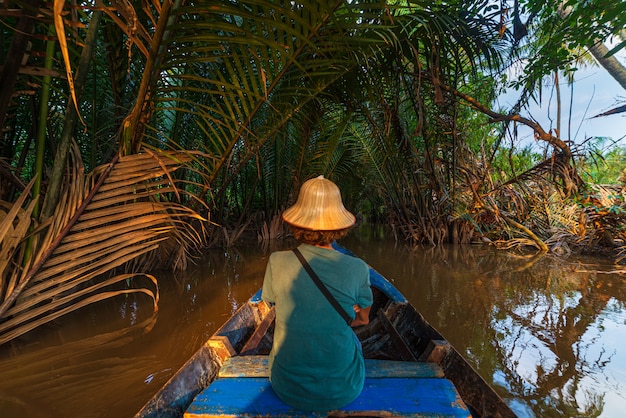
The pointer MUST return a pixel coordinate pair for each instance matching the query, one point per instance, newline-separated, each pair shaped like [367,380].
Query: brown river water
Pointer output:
[548,333]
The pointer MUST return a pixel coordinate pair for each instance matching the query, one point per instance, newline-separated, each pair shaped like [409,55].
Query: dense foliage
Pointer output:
[186,111]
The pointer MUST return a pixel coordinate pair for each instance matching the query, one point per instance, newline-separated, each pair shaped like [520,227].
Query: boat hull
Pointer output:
[397,332]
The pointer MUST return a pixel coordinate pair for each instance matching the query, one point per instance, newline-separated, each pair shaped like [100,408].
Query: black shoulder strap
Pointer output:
[323,288]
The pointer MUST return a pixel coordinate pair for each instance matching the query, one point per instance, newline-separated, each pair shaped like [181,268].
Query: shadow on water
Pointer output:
[547,332]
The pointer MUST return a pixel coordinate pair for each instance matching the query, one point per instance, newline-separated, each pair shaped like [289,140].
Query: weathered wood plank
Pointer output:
[378,369]
[240,326]
[222,346]
[256,366]
[259,333]
[245,366]
[403,349]
[396,397]
[436,351]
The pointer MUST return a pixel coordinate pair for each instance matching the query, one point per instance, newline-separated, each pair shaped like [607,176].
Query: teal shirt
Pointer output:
[316,362]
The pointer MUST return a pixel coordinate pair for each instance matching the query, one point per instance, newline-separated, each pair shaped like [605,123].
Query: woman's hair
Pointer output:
[310,237]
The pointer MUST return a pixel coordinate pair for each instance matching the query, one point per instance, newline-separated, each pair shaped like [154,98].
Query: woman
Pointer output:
[316,362]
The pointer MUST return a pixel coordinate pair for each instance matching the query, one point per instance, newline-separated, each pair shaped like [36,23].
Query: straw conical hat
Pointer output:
[319,207]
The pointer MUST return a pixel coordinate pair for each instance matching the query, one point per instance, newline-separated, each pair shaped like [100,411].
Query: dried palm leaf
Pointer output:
[13,229]
[106,220]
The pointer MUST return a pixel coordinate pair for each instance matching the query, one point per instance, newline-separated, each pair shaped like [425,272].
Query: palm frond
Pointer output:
[250,66]
[111,218]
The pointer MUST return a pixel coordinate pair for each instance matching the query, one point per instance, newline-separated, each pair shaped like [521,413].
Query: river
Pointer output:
[546,332]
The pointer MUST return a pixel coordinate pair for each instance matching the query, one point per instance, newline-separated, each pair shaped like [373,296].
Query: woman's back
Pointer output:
[316,361]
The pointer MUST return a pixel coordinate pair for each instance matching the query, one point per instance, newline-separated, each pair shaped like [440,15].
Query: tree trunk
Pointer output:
[610,64]
[598,50]
[15,56]
[60,158]
[557,86]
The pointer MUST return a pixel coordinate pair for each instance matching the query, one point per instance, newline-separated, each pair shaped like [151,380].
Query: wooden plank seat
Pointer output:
[392,388]
[256,366]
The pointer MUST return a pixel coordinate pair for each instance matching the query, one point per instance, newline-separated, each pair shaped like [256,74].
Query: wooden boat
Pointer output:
[411,370]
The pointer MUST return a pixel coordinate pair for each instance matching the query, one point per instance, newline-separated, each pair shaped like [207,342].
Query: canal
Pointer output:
[546,332]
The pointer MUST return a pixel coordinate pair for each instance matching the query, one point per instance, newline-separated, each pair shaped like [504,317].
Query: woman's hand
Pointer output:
[362,316]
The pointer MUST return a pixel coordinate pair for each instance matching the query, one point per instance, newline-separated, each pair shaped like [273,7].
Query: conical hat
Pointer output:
[319,207]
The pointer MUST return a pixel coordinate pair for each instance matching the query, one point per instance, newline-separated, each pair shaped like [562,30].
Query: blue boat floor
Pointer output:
[417,393]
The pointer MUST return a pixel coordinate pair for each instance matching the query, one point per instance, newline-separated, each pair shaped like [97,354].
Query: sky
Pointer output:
[594,91]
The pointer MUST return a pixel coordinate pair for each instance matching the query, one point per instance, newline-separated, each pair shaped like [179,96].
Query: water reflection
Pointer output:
[555,335]
[545,331]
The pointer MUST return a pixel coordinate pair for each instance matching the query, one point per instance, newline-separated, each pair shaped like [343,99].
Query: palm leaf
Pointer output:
[13,230]
[255,66]
[227,78]
[114,216]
